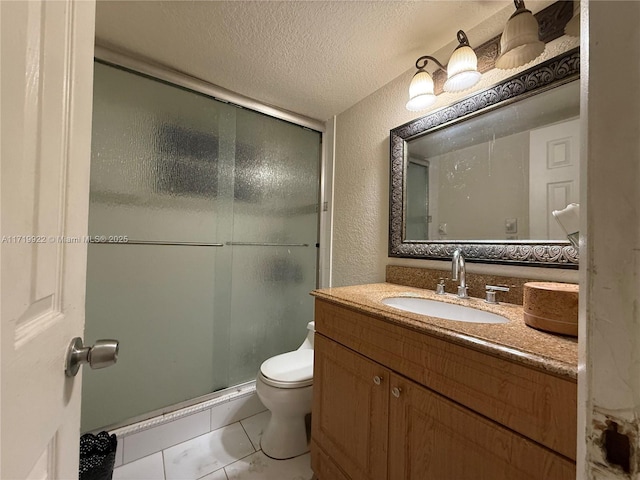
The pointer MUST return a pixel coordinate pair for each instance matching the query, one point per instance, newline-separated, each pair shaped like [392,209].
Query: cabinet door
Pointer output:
[350,411]
[431,437]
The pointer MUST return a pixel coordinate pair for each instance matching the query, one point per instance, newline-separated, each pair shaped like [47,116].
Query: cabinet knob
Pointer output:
[377,380]
[395,391]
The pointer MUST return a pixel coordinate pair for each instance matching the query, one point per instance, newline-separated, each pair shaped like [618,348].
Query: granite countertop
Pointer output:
[513,340]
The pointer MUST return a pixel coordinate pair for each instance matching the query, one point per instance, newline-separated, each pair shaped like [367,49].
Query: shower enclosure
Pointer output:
[204,225]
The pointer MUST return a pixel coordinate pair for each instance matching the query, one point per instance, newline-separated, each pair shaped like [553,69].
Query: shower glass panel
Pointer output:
[206,201]
[275,230]
[153,299]
[155,159]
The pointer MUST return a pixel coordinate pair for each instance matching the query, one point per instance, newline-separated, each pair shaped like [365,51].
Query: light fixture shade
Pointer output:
[572,27]
[462,70]
[421,92]
[519,43]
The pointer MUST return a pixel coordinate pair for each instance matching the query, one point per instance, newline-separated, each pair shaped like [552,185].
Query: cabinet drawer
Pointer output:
[536,404]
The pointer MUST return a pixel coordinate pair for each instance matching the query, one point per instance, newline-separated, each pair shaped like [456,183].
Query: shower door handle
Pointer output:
[103,354]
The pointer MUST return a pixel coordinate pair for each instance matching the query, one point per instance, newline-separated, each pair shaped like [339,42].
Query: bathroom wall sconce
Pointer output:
[462,73]
[520,43]
[569,220]
[523,40]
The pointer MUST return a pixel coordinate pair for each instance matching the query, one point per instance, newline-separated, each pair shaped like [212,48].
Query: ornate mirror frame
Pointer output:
[544,76]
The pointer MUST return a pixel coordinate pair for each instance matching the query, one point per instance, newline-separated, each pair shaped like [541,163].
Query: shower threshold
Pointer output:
[179,410]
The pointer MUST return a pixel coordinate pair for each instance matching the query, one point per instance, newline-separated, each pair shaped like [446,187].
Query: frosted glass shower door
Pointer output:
[275,232]
[161,157]
[212,214]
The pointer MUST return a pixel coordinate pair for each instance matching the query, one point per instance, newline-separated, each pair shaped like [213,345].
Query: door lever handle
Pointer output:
[103,354]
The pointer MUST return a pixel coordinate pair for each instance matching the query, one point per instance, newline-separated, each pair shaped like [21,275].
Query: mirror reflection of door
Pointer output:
[417,216]
[554,173]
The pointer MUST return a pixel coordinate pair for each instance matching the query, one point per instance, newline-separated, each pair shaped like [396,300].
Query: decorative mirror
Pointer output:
[485,173]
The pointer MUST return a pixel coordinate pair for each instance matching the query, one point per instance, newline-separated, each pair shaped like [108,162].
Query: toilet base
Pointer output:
[284,437]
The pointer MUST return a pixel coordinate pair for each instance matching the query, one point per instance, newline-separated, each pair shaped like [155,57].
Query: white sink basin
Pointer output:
[448,311]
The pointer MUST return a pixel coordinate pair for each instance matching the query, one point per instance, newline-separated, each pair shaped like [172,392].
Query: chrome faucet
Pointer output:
[458,271]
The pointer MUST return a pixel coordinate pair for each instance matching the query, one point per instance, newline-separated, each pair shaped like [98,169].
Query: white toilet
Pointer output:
[285,387]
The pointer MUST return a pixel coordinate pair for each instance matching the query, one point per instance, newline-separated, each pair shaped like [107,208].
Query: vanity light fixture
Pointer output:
[462,73]
[519,43]
[572,28]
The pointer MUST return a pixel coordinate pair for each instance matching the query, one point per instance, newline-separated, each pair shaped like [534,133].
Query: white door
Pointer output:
[554,175]
[46,96]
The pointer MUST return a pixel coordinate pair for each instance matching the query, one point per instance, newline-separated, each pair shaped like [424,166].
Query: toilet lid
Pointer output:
[292,367]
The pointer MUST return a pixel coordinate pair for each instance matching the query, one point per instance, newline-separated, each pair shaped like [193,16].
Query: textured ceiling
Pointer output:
[314,58]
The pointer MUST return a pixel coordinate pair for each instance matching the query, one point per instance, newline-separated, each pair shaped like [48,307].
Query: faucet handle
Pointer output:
[491,292]
[440,287]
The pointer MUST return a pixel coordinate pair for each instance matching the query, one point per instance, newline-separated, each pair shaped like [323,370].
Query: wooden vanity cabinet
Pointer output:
[350,410]
[372,423]
[431,437]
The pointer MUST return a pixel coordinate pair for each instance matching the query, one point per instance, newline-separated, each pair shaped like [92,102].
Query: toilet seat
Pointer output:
[288,370]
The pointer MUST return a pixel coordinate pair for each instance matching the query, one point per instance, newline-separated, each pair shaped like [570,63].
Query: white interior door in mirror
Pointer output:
[47,72]
[554,176]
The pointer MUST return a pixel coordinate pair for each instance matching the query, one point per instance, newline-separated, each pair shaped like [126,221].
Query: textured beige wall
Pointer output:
[361,190]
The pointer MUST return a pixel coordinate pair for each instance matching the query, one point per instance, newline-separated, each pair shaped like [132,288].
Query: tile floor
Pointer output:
[228,453]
